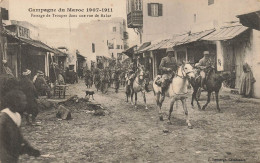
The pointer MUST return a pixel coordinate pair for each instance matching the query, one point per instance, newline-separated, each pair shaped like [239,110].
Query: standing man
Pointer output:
[168,67]
[29,90]
[203,65]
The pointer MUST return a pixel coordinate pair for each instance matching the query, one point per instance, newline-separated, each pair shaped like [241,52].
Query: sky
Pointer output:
[19,10]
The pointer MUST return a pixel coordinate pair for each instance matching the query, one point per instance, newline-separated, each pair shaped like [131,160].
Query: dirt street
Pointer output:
[126,134]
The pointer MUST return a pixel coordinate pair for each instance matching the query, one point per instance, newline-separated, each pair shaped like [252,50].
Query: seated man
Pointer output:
[168,68]
[130,77]
[203,65]
[41,85]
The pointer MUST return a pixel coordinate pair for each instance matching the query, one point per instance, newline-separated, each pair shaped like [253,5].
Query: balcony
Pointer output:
[125,35]
[135,19]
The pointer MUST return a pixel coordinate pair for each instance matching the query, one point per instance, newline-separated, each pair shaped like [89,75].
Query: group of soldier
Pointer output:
[169,65]
[167,68]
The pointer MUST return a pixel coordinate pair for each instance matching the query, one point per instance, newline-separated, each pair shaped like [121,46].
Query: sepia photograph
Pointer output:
[142,81]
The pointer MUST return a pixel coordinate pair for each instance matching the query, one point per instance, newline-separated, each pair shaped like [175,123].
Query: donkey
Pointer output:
[139,85]
[213,83]
[177,90]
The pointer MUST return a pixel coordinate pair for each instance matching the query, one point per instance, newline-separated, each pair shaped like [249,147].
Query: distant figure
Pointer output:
[6,69]
[247,81]
[12,143]
[29,90]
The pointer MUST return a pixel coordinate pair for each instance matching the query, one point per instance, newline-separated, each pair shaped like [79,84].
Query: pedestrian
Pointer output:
[12,143]
[247,81]
[29,90]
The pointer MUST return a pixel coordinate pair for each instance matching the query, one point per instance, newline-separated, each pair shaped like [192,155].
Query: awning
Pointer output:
[173,41]
[130,51]
[251,20]
[159,45]
[143,46]
[59,53]
[225,33]
[153,44]
[37,44]
[192,37]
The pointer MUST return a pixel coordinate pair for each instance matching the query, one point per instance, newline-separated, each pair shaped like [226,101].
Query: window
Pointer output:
[93,48]
[114,29]
[154,9]
[210,2]
[118,46]
[138,5]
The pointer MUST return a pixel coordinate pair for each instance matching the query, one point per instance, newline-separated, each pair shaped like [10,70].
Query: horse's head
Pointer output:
[140,73]
[186,70]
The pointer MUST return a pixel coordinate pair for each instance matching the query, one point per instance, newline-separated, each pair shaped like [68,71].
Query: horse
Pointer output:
[139,85]
[213,84]
[129,84]
[177,90]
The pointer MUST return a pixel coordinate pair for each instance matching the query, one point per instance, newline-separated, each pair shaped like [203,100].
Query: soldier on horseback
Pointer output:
[168,68]
[204,65]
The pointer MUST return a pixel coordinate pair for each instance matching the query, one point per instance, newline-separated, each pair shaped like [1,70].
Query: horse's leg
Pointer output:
[135,99]
[159,106]
[132,95]
[170,111]
[184,105]
[195,97]
[216,93]
[208,101]
[145,100]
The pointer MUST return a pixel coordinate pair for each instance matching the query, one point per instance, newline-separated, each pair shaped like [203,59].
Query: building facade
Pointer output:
[107,38]
[205,25]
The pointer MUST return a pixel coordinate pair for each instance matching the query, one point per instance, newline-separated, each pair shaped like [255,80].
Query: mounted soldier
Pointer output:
[168,67]
[204,65]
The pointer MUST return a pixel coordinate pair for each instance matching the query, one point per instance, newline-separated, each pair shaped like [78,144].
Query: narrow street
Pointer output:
[126,134]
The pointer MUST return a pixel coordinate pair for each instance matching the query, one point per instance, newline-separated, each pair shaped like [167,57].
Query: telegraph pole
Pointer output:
[2,49]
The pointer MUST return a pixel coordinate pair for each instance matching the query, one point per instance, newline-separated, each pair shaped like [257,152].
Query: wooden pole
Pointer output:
[1,43]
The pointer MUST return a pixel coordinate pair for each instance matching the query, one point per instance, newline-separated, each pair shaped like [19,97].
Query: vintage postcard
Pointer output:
[129,81]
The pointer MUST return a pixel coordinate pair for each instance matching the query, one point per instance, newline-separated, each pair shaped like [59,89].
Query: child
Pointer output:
[12,143]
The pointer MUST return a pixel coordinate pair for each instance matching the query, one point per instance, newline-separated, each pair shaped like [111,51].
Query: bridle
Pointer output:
[184,76]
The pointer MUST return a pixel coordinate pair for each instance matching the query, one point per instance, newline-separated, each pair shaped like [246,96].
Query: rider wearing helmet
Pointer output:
[168,68]
[203,65]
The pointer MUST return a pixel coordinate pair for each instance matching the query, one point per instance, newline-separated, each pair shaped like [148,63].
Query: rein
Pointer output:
[184,76]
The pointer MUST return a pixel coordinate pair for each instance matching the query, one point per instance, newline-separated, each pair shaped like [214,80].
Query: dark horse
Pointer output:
[213,83]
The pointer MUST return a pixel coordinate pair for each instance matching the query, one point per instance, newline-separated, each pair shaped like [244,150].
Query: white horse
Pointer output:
[139,85]
[177,90]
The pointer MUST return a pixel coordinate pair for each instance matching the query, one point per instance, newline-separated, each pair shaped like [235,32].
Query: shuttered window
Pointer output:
[155,9]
